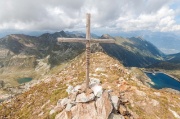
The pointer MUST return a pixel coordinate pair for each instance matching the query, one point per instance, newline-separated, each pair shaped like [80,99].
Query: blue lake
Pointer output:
[162,80]
[23,80]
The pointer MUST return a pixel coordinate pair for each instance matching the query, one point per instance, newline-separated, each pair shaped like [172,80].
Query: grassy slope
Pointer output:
[40,99]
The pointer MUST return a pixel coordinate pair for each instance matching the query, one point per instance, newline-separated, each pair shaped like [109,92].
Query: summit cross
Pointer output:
[87,40]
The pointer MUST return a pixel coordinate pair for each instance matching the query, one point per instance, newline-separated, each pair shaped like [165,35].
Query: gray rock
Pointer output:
[69,90]
[115,101]
[77,88]
[85,98]
[97,90]
[68,107]
[94,81]
[65,101]
[104,106]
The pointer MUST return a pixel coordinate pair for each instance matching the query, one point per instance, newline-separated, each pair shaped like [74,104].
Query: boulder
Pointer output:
[73,95]
[115,101]
[84,111]
[97,90]
[65,101]
[69,106]
[64,115]
[85,98]
[69,90]
[104,106]
[77,88]
[94,81]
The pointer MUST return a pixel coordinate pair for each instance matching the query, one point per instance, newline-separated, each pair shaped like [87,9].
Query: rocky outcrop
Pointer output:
[92,103]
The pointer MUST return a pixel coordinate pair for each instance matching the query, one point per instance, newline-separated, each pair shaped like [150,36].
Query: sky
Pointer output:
[106,15]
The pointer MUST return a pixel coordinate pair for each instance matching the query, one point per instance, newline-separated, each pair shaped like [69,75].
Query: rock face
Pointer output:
[93,103]
[104,106]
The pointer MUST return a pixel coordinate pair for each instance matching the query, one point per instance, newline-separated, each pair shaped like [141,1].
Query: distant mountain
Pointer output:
[134,51]
[40,47]
[171,62]
[167,42]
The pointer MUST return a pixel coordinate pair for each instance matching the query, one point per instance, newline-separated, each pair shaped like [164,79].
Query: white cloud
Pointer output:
[116,15]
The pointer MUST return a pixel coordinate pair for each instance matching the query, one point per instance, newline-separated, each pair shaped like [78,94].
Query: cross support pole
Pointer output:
[87,40]
[87,48]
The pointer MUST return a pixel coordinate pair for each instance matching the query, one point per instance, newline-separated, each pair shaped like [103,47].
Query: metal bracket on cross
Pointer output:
[87,40]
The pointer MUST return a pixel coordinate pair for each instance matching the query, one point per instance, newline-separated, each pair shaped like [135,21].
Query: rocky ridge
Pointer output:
[43,98]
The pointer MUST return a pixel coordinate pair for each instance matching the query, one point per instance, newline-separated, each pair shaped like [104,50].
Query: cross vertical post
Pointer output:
[87,40]
[87,48]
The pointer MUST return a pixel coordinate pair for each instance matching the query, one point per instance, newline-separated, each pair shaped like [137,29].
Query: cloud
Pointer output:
[113,16]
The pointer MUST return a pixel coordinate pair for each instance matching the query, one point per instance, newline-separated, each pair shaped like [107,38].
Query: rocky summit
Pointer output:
[115,92]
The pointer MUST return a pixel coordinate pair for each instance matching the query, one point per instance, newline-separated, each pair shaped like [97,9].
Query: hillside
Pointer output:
[133,52]
[139,100]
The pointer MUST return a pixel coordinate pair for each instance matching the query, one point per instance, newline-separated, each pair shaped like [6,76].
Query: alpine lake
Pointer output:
[162,80]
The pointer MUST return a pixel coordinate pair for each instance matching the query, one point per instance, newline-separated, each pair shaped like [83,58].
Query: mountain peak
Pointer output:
[106,36]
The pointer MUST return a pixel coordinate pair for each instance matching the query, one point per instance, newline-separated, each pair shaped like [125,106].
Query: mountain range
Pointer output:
[33,56]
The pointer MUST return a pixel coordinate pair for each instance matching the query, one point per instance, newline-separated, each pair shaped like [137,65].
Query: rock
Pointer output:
[65,101]
[115,101]
[122,110]
[56,109]
[73,95]
[157,93]
[154,102]
[85,98]
[94,81]
[77,88]
[140,93]
[64,115]
[97,90]
[69,106]
[52,112]
[104,106]
[84,111]
[69,90]
[115,116]
[99,69]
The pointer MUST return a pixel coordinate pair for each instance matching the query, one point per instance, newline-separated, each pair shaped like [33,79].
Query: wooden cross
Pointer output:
[87,40]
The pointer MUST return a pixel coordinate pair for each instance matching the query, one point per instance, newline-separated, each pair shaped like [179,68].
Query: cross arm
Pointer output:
[71,40]
[85,40]
[102,41]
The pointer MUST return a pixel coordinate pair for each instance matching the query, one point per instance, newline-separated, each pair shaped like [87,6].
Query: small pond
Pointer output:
[24,80]
[162,80]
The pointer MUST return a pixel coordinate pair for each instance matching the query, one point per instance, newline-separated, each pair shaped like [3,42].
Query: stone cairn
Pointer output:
[92,103]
